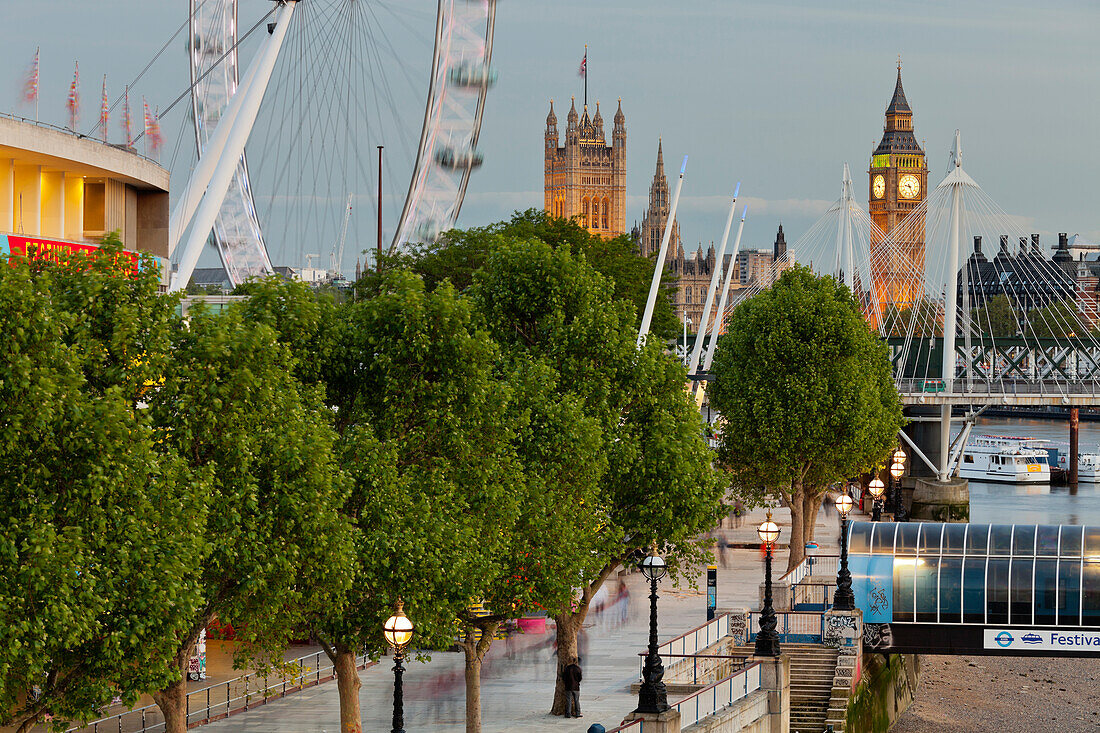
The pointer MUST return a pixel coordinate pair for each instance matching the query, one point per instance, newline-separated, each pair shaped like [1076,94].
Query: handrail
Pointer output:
[718,695]
[688,642]
[219,707]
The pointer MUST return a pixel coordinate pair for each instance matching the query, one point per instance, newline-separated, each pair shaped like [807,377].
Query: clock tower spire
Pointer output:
[897,182]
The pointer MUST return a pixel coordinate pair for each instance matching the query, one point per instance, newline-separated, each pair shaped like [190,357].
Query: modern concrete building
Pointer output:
[65,191]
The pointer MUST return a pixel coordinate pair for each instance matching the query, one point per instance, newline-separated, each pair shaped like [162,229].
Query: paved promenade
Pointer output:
[518,677]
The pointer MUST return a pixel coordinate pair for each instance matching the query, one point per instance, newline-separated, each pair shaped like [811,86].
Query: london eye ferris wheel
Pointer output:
[350,75]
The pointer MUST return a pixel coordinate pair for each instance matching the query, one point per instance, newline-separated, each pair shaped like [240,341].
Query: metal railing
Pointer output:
[818,595]
[721,694]
[793,626]
[811,565]
[707,701]
[225,698]
[697,639]
[701,665]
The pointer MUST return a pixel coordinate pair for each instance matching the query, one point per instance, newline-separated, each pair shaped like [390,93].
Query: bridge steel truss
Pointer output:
[1011,371]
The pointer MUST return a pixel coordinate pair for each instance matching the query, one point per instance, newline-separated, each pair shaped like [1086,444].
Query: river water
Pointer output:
[997,503]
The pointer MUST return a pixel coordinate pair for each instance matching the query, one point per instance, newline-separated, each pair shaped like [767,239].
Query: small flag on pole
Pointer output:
[583,71]
[152,128]
[30,86]
[74,99]
[127,120]
[104,110]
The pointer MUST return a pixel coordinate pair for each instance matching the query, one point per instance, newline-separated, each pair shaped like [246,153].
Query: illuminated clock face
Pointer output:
[878,187]
[909,186]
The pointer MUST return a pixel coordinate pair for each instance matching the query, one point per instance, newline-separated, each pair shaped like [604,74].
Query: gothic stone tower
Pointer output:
[653,224]
[897,184]
[587,178]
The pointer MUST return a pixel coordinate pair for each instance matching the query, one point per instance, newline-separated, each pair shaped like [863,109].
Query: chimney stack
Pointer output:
[1035,244]
[977,245]
[1004,243]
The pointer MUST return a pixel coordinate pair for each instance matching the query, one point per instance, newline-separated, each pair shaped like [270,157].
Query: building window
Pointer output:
[606,206]
[594,222]
[584,211]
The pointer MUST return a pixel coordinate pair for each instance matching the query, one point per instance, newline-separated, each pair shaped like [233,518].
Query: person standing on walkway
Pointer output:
[571,677]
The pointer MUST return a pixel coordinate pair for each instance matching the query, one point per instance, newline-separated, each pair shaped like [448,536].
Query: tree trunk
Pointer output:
[811,507]
[568,624]
[172,700]
[347,684]
[797,544]
[475,653]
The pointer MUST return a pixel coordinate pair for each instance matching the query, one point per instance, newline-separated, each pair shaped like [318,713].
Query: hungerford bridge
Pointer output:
[914,289]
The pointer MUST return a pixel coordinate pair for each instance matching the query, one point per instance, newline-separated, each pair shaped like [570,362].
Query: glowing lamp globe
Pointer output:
[398,629]
[768,531]
[876,487]
[844,504]
[899,456]
[897,470]
[653,566]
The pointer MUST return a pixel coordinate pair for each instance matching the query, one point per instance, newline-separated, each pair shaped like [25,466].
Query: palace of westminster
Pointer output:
[586,179]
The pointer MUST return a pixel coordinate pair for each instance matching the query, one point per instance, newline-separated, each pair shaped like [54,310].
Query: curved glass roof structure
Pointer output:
[1020,574]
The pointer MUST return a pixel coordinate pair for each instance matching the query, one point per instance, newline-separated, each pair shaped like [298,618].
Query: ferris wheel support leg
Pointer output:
[658,268]
[234,148]
[208,160]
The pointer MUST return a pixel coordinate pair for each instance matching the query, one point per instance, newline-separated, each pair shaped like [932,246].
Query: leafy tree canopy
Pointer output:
[996,318]
[460,253]
[96,531]
[277,545]
[806,391]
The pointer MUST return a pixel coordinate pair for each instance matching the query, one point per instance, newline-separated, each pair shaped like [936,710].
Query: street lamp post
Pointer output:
[767,639]
[877,488]
[652,696]
[398,631]
[896,471]
[844,599]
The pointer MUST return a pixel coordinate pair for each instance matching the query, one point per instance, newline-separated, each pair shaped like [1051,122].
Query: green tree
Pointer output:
[558,451]
[996,318]
[459,254]
[275,543]
[547,304]
[427,436]
[1057,320]
[806,392]
[95,526]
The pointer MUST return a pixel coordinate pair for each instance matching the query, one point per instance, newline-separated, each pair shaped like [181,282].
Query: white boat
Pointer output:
[1005,458]
[1088,466]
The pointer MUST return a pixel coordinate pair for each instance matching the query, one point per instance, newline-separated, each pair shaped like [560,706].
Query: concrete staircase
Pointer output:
[813,668]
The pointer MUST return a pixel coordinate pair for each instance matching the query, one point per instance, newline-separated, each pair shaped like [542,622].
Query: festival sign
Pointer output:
[1047,640]
[12,245]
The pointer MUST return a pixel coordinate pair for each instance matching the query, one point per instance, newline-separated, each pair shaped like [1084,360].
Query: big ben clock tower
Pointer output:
[897,183]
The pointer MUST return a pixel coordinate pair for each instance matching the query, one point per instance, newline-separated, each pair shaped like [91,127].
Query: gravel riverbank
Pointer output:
[1004,695]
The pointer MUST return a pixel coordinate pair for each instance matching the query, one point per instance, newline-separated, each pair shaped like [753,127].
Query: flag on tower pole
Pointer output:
[30,86]
[74,99]
[583,73]
[104,110]
[127,120]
